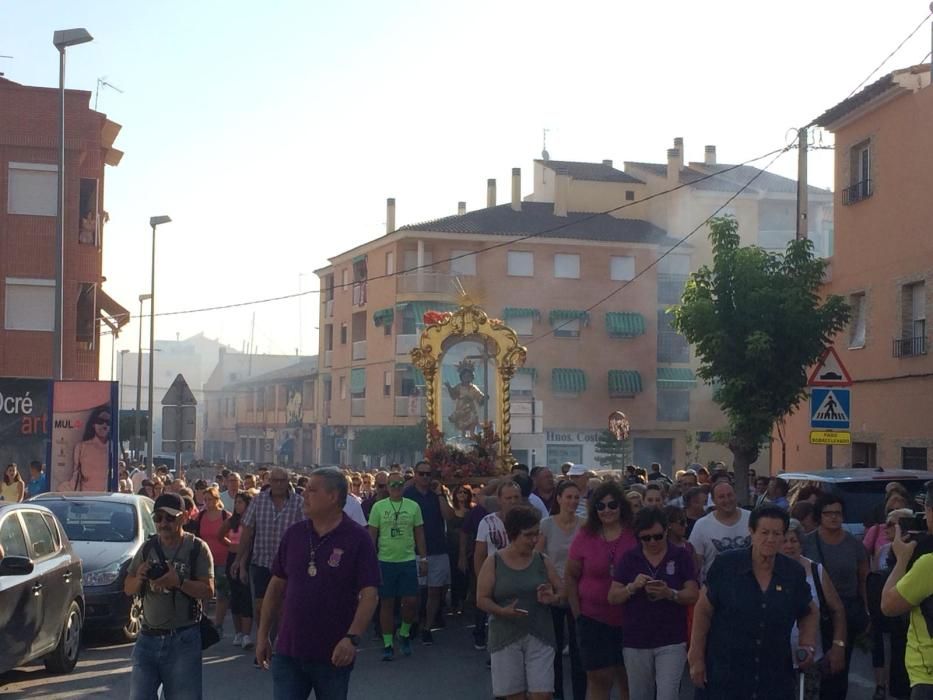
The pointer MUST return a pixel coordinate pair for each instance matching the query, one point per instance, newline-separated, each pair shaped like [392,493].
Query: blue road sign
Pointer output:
[830,408]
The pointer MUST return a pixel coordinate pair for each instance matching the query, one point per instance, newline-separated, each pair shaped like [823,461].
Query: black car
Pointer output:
[41,601]
[106,530]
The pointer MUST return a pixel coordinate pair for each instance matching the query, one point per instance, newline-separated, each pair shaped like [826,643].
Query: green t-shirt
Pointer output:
[915,587]
[396,522]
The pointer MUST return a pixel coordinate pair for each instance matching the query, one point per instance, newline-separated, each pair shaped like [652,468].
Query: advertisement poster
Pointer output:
[24,422]
[85,443]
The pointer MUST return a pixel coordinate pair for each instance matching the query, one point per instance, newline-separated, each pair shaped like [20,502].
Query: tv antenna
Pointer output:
[544,153]
[102,82]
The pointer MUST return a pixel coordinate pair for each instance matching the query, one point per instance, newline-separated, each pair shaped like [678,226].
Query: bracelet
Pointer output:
[628,587]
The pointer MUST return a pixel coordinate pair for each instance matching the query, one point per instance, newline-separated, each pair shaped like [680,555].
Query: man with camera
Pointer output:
[909,588]
[173,572]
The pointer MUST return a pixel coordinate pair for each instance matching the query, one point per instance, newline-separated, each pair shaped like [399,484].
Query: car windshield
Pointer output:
[95,521]
[864,499]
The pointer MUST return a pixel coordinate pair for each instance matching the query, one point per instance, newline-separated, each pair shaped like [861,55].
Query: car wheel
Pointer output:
[134,622]
[65,655]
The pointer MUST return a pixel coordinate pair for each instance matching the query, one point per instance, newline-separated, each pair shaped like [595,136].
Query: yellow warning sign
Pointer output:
[830,437]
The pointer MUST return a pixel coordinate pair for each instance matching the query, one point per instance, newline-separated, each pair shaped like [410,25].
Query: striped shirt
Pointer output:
[269,523]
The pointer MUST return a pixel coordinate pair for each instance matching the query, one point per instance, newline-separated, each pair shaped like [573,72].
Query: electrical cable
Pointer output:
[890,55]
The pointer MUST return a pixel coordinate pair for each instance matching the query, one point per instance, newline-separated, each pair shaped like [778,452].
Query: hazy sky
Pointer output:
[273,132]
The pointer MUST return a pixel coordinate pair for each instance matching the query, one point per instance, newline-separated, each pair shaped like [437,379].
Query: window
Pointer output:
[860,171]
[673,405]
[629,195]
[672,346]
[30,304]
[522,385]
[621,268]
[387,383]
[522,325]
[864,454]
[521,264]
[329,288]
[343,333]
[87,227]
[345,280]
[673,271]
[567,266]
[33,189]
[914,457]
[918,310]
[342,388]
[569,328]
[38,533]
[390,263]
[12,541]
[387,328]
[411,261]
[462,262]
[857,327]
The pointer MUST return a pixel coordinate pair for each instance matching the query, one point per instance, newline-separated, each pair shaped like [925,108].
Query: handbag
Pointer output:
[826,618]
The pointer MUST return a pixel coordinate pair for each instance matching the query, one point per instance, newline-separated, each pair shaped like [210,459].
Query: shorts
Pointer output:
[600,644]
[438,571]
[259,576]
[399,579]
[524,666]
[221,582]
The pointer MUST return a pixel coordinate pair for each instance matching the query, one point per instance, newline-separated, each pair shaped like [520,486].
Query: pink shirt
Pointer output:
[598,559]
[209,531]
[875,538]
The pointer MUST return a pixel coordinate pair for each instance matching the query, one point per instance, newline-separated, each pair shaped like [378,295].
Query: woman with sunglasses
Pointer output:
[594,553]
[557,532]
[654,583]
[91,460]
[459,582]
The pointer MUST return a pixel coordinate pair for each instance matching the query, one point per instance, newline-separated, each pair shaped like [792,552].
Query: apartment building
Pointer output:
[882,263]
[29,144]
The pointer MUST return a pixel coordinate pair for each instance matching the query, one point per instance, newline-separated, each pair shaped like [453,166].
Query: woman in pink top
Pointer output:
[594,553]
[209,529]
[241,603]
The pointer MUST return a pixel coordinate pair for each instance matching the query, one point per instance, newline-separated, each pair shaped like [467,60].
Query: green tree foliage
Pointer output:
[397,443]
[757,322]
[612,453]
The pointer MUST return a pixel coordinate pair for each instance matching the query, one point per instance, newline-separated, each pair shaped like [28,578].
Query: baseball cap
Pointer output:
[577,470]
[171,503]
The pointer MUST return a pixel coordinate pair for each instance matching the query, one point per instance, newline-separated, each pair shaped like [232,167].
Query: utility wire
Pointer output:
[890,55]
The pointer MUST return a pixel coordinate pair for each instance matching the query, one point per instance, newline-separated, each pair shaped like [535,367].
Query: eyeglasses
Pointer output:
[833,513]
[423,473]
[611,505]
[647,538]
[165,517]
[396,484]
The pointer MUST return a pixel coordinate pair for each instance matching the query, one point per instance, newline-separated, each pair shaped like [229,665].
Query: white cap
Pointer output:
[577,470]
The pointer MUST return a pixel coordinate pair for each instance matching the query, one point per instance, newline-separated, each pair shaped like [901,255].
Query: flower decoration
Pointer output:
[455,462]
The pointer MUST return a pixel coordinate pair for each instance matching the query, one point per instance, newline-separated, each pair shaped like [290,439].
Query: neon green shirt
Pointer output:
[396,522]
[915,587]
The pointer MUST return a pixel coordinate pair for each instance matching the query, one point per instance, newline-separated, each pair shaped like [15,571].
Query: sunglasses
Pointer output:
[611,505]
[165,517]
[396,484]
[102,421]
[647,538]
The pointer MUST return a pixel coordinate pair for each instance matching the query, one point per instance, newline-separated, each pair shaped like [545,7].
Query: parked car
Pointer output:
[862,490]
[41,601]
[106,530]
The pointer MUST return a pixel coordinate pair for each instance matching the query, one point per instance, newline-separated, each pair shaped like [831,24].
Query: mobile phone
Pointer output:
[913,526]
[521,610]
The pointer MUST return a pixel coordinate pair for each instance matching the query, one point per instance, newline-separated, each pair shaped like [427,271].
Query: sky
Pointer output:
[272,133]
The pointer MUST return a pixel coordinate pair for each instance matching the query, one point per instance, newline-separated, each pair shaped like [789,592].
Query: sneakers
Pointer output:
[479,643]
[404,644]
[388,653]
[427,639]
[238,639]
[246,642]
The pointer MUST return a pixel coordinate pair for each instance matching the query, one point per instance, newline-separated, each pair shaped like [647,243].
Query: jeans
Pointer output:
[294,679]
[172,661]
[562,617]
[650,669]
[921,691]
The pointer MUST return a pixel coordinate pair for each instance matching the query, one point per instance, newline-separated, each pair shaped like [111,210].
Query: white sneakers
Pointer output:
[238,639]
[246,642]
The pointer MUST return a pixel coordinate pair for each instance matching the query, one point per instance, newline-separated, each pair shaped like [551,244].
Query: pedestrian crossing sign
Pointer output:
[830,408]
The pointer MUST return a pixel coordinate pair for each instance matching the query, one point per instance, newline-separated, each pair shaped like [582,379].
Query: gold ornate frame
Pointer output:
[470,320]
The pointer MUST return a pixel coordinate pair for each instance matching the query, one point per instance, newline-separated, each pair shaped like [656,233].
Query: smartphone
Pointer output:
[521,610]
[913,526]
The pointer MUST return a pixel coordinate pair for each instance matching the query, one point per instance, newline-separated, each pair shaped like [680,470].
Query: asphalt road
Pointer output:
[451,670]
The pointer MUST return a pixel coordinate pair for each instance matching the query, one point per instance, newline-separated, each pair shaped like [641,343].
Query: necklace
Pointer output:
[312,564]
[612,551]
[395,510]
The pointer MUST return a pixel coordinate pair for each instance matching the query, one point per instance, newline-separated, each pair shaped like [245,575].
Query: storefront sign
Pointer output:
[572,436]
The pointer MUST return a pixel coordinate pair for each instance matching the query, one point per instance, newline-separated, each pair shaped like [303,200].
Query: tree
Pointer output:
[613,453]
[757,323]
[397,443]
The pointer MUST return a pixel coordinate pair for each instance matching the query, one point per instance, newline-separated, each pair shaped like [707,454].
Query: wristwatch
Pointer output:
[839,643]
[354,639]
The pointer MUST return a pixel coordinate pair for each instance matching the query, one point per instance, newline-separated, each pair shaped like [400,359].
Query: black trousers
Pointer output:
[563,620]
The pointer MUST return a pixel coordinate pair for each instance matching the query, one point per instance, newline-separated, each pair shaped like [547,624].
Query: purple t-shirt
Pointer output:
[471,525]
[647,624]
[318,610]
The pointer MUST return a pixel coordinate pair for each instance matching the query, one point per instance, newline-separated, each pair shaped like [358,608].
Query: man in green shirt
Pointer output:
[397,528]
[911,591]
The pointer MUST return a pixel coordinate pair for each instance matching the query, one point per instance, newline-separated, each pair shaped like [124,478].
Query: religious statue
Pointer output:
[468,397]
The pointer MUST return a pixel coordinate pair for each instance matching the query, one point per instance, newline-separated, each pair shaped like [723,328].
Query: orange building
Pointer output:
[28,202]
[883,265]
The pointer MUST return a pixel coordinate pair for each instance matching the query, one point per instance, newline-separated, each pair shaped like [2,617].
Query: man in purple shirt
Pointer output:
[324,578]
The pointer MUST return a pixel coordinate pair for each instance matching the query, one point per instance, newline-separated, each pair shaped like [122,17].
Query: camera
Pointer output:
[914,526]
[157,571]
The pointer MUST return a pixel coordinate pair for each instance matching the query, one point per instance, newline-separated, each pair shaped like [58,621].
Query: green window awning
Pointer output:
[358,380]
[519,312]
[568,381]
[418,308]
[414,372]
[624,324]
[528,370]
[384,317]
[676,378]
[624,382]
[560,315]
[359,258]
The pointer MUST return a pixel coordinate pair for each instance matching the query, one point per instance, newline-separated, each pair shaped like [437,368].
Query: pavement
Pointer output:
[449,670]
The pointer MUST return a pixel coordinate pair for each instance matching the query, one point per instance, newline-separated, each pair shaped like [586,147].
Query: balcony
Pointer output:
[857,192]
[359,293]
[359,350]
[670,288]
[425,282]
[404,343]
[673,347]
[910,347]
[329,308]
[328,358]
[409,406]
[358,408]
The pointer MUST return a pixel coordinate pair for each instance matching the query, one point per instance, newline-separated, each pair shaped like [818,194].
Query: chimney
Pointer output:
[679,143]
[607,163]
[516,189]
[561,193]
[709,156]
[491,192]
[461,208]
[390,214]
[675,161]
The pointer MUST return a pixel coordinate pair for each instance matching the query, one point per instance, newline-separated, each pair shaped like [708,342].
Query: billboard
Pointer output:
[24,422]
[85,436]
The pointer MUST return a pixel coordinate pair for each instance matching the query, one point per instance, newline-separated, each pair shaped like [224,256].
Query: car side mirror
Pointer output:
[15,566]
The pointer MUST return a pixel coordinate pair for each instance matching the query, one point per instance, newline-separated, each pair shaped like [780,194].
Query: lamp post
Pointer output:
[153,222]
[122,367]
[139,377]
[62,39]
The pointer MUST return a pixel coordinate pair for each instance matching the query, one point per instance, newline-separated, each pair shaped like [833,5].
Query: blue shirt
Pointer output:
[37,486]
[435,537]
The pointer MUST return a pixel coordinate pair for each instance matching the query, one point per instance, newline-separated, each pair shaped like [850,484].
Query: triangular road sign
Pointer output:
[830,371]
[179,394]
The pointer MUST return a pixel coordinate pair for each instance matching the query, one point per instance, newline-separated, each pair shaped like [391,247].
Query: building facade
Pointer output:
[882,264]
[29,144]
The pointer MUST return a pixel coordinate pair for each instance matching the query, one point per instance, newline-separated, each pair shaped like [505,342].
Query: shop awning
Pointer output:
[414,372]
[384,317]
[676,378]
[568,381]
[528,370]
[560,315]
[624,324]
[624,382]
[359,259]
[111,312]
[519,312]
[358,380]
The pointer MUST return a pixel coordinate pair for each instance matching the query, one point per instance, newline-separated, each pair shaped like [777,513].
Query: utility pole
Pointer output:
[802,187]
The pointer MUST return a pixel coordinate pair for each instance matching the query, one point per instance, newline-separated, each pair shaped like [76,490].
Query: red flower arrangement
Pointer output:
[432,318]
[454,463]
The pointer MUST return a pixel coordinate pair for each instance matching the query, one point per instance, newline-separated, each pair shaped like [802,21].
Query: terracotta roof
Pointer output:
[867,94]
[594,172]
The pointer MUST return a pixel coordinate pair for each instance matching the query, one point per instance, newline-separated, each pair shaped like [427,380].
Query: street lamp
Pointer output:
[153,222]
[122,367]
[139,376]
[62,39]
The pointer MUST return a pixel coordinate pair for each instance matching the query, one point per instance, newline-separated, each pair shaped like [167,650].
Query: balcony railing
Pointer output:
[670,288]
[359,293]
[409,406]
[359,350]
[404,343]
[422,281]
[673,347]
[857,192]
[358,407]
[328,358]
[910,347]
[329,308]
